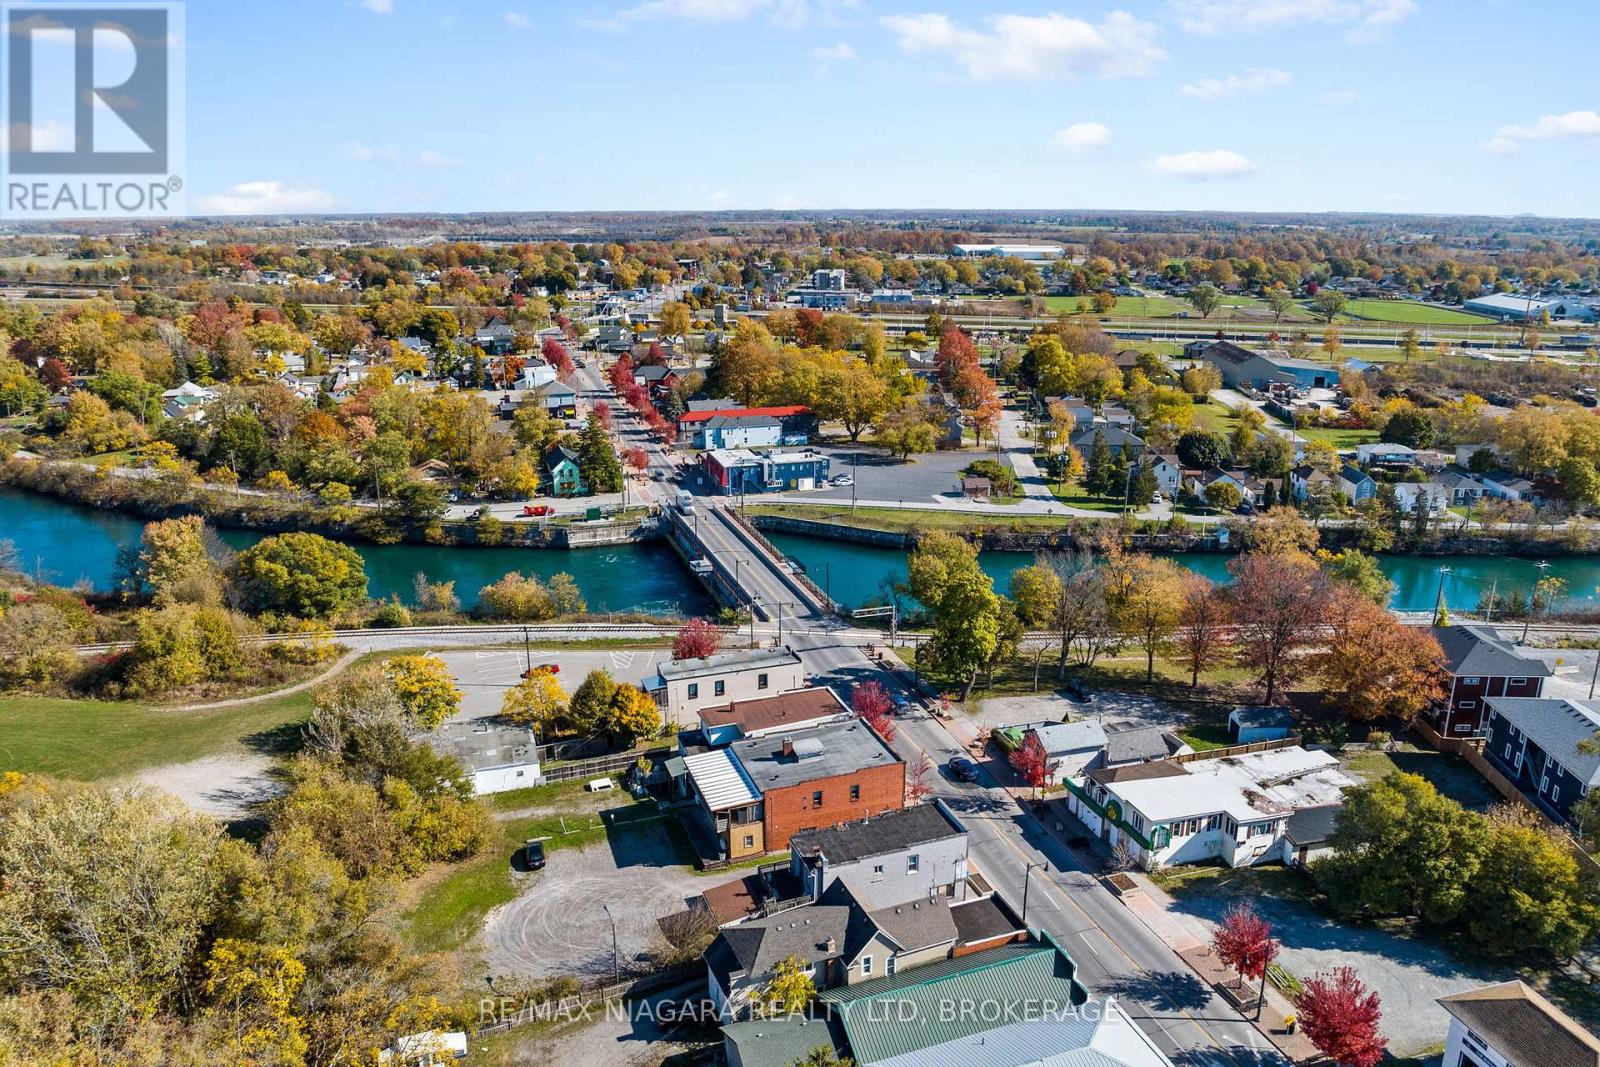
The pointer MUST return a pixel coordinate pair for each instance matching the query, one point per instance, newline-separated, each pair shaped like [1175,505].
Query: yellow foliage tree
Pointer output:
[425,687]
[536,701]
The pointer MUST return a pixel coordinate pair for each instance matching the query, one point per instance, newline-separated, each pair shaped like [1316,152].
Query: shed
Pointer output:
[1248,725]
[976,488]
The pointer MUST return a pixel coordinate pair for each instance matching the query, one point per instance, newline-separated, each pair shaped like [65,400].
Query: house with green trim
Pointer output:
[566,475]
[1236,809]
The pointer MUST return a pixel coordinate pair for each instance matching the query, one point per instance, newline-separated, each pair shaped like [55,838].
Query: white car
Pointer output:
[844,481]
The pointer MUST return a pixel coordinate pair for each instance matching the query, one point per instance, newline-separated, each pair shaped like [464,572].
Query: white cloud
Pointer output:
[786,14]
[1253,80]
[1508,139]
[379,7]
[1083,137]
[827,55]
[48,136]
[1033,47]
[264,198]
[1341,97]
[430,158]
[518,21]
[1365,20]
[362,152]
[1217,163]
[719,198]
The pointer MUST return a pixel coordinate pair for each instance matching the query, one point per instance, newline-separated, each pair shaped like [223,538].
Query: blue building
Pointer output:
[1534,741]
[737,470]
[1243,368]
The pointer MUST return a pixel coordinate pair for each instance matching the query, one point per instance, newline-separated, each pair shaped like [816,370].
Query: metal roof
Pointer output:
[720,781]
[910,1012]
[728,662]
[1102,1038]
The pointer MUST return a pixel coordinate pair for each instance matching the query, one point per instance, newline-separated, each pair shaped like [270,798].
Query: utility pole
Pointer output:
[527,652]
[616,960]
[1494,589]
[1533,601]
[1439,617]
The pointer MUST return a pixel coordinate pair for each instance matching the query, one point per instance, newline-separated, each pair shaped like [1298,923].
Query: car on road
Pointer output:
[533,854]
[658,475]
[843,481]
[962,769]
[1079,692]
[900,702]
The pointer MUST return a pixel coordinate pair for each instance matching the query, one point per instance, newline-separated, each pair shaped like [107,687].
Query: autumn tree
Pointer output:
[1277,602]
[870,700]
[633,714]
[425,687]
[945,576]
[1201,630]
[919,779]
[696,639]
[1340,1016]
[1244,941]
[788,991]
[1028,760]
[675,319]
[1151,607]
[1372,666]
[536,701]
[1329,304]
[301,574]
[1204,298]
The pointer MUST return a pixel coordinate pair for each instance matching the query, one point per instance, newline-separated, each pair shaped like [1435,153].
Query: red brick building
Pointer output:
[820,777]
[1481,665]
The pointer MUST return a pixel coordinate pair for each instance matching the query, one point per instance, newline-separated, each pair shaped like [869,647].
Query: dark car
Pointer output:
[1079,692]
[963,769]
[533,855]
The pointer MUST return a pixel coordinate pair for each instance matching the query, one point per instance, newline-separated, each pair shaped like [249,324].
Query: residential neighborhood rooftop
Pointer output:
[890,832]
[799,708]
[720,781]
[1246,787]
[822,752]
[723,662]
[1480,651]
[1523,1026]
[479,747]
[1558,726]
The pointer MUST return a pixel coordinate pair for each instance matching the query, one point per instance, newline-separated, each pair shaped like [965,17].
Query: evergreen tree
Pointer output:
[1098,476]
[1144,486]
[597,459]
[1117,477]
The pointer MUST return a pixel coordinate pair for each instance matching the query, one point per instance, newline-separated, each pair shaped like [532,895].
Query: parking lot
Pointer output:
[484,676]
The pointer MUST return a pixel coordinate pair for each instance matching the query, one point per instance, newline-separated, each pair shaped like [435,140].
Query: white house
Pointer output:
[1169,475]
[535,374]
[495,758]
[1385,452]
[683,687]
[1230,808]
[1432,496]
[1511,1025]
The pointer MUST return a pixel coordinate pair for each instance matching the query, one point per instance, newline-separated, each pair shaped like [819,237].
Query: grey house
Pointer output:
[915,853]
[1535,743]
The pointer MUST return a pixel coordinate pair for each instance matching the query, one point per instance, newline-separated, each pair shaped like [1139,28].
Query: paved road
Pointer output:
[1118,955]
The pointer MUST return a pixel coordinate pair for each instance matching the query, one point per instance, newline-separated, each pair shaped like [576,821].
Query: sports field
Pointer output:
[1409,311]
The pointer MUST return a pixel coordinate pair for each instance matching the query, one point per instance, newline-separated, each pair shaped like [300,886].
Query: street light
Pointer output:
[1028,881]
[616,964]
[1533,600]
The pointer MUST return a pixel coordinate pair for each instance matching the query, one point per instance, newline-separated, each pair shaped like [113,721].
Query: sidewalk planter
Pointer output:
[1120,884]
[1243,1000]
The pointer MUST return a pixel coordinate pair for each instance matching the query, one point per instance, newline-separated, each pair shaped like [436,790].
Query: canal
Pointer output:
[66,543]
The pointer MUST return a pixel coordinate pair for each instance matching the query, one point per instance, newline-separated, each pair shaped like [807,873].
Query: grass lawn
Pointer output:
[897,520]
[1073,495]
[1135,307]
[93,739]
[449,912]
[55,261]
[1451,775]
[1218,418]
[1124,672]
[1408,311]
[1343,440]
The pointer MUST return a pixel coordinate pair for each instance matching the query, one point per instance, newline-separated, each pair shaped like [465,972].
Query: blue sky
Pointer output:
[1451,106]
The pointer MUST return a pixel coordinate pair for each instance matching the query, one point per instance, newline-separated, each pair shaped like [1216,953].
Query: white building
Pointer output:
[683,687]
[1018,251]
[1511,1025]
[1230,808]
[495,758]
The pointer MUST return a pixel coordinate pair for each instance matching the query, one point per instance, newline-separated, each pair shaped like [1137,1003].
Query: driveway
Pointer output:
[1408,975]
[559,923]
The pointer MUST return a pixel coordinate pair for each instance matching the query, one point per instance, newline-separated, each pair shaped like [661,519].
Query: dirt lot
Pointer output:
[559,924]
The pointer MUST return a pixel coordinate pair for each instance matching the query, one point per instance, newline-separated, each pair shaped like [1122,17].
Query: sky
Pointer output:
[1437,106]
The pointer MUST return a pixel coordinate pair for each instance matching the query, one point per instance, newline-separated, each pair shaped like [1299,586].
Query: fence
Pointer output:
[603,766]
[1238,750]
[571,1006]
[799,577]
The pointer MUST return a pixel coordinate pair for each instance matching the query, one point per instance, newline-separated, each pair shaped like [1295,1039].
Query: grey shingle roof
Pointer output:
[1132,743]
[1557,726]
[879,835]
[916,924]
[1479,651]
[1524,1027]
[756,945]
[1312,826]
[782,1042]
[841,748]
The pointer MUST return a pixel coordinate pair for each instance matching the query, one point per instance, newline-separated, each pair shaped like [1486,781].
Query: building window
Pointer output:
[761,681]
[749,840]
[855,792]
[694,690]
[1471,681]
[816,798]
[1463,727]
[913,863]
[1214,822]
[889,967]
[877,868]
[1467,705]
[1555,795]
[1508,750]
[866,966]
[1518,681]
[719,687]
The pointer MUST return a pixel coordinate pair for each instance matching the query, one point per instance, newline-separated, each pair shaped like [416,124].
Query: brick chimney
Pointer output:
[788,746]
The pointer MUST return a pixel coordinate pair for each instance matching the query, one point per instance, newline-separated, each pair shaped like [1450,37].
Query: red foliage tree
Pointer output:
[1028,761]
[870,700]
[696,639]
[655,355]
[602,411]
[1244,942]
[1341,1018]
[957,354]
[919,779]
[636,397]
[555,354]
[807,322]
[636,458]
[620,373]
[55,374]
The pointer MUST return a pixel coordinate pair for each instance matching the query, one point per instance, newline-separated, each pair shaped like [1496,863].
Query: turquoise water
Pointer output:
[860,574]
[66,543]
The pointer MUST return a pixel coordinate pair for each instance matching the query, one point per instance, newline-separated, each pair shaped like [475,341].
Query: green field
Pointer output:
[1137,307]
[55,261]
[1343,440]
[93,739]
[1407,311]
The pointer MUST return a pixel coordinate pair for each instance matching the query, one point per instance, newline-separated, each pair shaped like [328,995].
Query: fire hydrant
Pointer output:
[1289,1023]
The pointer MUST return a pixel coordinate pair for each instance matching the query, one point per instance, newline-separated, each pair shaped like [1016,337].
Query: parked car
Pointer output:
[963,769]
[844,481]
[901,703]
[533,855]
[547,668]
[1079,692]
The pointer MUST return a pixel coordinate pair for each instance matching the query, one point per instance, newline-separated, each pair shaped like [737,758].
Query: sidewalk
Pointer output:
[1188,936]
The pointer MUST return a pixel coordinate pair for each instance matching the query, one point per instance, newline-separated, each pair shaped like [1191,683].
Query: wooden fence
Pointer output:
[600,767]
[525,1012]
[1238,750]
